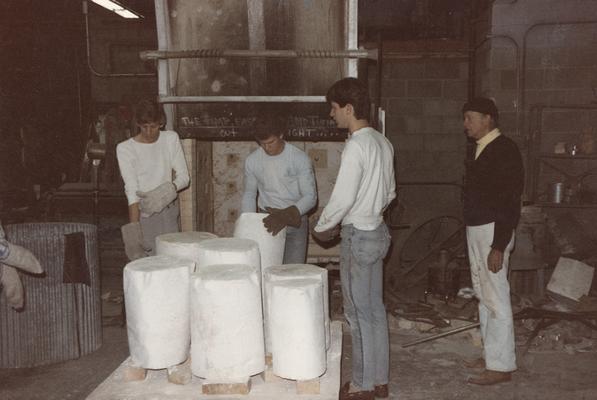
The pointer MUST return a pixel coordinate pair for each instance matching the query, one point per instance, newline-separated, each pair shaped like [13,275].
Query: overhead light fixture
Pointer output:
[117,8]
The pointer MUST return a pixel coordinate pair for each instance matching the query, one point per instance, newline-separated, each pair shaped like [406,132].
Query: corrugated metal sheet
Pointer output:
[60,321]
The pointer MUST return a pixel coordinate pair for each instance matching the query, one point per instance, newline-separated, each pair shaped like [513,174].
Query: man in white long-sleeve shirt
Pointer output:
[280,176]
[153,168]
[365,186]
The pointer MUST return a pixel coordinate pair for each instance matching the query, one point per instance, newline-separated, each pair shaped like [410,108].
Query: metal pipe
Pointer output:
[257,53]
[379,80]
[257,68]
[471,61]
[242,99]
[89,63]
[443,334]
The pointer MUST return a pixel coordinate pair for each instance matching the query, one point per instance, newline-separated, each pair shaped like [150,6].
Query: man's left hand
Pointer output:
[156,200]
[278,219]
[495,260]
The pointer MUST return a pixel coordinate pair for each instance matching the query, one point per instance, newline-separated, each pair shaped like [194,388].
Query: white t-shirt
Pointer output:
[365,184]
[145,166]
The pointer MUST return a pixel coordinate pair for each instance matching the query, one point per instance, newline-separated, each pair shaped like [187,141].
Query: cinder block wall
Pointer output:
[542,54]
[423,99]
[423,95]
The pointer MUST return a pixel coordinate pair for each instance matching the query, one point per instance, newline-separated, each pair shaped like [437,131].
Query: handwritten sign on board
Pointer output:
[309,128]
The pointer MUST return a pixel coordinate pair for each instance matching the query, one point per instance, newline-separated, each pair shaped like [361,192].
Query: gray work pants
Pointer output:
[166,221]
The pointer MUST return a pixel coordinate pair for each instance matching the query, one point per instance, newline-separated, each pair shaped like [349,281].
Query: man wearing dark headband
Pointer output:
[492,195]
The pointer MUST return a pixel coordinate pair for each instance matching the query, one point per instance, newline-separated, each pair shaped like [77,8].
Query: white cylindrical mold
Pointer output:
[226,323]
[298,338]
[271,248]
[156,294]
[229,251]
[296,271]
[181,244]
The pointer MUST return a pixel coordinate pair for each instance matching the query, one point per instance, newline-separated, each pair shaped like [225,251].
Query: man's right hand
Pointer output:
[133,240]
[326,236]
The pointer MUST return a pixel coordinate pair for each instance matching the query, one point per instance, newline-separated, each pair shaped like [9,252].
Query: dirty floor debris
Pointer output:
[551,369]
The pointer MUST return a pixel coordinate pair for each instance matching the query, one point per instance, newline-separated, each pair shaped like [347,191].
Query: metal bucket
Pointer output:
[60,321]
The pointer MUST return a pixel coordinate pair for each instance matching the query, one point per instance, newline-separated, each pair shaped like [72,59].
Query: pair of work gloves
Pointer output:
[150,203]
[280,218]
[13,257]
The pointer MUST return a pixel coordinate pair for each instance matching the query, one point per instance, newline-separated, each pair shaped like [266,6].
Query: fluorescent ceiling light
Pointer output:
[117,8]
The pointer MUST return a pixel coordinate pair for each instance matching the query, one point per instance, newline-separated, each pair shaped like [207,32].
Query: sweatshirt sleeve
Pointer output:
[345,190]
[307,188]
[126,164]
[510,180]
[179,164]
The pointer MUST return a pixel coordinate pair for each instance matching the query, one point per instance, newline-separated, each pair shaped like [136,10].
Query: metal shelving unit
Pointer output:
[562,164]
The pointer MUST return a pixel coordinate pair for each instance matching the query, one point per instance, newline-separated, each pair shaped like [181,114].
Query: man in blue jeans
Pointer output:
[365,186]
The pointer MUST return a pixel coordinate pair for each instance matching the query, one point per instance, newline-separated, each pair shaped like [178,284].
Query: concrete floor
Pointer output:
[427,371]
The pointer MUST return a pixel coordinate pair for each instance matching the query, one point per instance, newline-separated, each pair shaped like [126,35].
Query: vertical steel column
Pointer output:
[163,30]
[352,38]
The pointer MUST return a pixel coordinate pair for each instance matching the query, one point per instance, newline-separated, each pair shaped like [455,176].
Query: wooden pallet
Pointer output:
[178,374]
[243,387]
[311,386]
[155,384]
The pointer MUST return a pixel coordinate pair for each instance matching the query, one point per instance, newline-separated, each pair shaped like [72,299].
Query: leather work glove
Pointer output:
[133,240]
[157,199]
[279,218]
[12,287]
[19,257]
[326,236]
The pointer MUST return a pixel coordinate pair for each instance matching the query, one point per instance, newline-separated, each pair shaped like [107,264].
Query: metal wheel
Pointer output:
[421,248]
[428,236]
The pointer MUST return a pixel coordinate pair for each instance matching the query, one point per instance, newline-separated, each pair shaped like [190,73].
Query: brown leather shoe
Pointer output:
[360,395]
[477,363]
[489,377]
[381,391]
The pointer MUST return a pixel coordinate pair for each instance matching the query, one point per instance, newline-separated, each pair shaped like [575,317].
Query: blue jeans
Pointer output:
[361,275]
[295,250]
